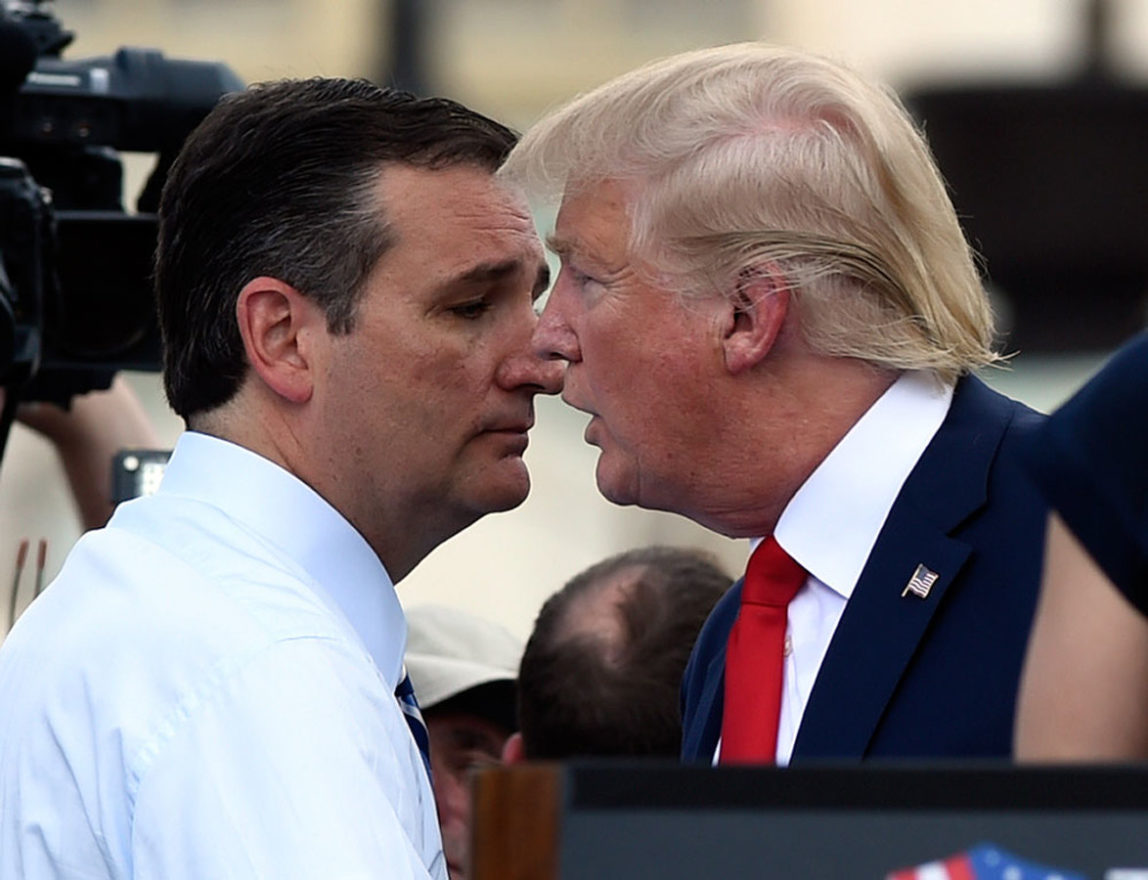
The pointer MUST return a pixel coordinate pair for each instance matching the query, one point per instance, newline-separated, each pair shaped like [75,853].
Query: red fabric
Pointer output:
[960,868]
[957,867]
[755,661]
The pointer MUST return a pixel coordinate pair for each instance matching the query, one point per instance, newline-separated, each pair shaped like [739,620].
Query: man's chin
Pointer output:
[507,486]
[614,487]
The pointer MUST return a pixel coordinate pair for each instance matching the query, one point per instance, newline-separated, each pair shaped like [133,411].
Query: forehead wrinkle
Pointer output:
[568,248]
[511,211]
[594,224]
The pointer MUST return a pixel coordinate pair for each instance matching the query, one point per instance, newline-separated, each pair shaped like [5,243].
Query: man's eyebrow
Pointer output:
[563,247]
[490,271]
[465,738]
[487,273]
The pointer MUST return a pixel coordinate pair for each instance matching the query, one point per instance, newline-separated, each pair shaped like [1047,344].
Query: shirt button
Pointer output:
[788,645]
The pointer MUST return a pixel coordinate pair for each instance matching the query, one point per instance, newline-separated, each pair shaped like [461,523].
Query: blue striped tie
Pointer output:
[405,694]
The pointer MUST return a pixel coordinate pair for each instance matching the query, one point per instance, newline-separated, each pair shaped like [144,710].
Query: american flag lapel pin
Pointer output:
[920,583]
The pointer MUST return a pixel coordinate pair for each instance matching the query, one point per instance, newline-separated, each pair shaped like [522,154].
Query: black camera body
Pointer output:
[76,301]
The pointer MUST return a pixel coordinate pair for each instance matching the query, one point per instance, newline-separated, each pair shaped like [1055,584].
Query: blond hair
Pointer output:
[750,155]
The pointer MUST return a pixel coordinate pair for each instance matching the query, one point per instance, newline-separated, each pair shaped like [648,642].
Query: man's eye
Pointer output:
[471,310]
[581,279]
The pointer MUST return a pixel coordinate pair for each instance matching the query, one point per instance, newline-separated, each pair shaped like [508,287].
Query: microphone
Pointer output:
[18,55]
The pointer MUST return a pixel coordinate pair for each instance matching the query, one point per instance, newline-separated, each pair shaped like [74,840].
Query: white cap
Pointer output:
[450,651]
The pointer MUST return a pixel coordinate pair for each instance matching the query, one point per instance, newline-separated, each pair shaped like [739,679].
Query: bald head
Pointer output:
[601,671]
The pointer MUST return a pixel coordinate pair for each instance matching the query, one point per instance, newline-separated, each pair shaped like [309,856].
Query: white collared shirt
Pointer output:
[207,690]
[831,525]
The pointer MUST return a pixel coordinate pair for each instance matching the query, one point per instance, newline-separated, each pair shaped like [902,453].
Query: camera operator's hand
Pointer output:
[87,436]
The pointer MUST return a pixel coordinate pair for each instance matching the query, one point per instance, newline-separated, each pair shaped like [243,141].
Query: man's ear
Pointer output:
[755,314]
[513,750]
[278,324]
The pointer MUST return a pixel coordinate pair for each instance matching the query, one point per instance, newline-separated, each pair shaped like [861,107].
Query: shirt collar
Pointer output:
[282,510]
[831,524]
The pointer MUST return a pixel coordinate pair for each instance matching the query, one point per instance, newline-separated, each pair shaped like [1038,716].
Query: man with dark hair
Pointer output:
[603,667]
[213,687]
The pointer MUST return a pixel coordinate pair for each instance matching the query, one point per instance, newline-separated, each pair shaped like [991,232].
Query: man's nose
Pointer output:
[528,369]
[554,338]
[452,796]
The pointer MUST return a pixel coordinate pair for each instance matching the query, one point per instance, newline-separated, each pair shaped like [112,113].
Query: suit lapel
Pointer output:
[876,638]
[710,706]
[881,629]
[702,737]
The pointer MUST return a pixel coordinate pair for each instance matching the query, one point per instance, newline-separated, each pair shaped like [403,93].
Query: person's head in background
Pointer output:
[346,289]
[603,666]
[463,669]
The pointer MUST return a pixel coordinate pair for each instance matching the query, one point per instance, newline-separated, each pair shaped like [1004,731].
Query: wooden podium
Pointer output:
[607,820]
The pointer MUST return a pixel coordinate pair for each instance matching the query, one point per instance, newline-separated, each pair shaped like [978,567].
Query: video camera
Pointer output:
[76,302]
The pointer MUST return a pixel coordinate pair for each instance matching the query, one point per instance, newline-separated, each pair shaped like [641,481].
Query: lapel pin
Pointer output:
[920,583]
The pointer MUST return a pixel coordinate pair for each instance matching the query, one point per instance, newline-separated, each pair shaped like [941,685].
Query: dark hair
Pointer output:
[583,691]
[281,180]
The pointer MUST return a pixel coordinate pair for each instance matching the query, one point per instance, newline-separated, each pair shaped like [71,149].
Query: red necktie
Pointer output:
[755,657]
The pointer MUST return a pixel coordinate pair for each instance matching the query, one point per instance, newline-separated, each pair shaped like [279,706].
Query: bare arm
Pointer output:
[87,436]
[1084,692]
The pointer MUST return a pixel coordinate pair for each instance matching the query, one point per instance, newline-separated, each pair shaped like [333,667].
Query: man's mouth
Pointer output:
[511,433]
[573,404]
[592,429]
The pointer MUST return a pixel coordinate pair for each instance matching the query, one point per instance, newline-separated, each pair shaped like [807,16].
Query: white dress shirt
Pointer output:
[831,525]
[207,690]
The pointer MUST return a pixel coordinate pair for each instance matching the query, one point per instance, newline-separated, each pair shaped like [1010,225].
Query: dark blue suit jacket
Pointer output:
[910,677]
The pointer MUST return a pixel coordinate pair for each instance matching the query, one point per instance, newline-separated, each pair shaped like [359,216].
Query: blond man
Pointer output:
[768,309]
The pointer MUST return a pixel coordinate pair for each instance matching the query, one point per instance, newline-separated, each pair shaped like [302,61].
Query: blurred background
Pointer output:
[1036,109]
